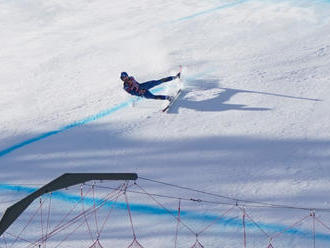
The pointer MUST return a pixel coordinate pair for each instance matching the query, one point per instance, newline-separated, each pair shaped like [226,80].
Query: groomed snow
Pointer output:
[252,122]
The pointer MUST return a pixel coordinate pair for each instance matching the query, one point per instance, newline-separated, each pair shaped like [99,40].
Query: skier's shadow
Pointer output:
[218,99]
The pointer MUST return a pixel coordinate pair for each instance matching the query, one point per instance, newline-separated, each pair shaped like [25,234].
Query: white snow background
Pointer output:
[252,122]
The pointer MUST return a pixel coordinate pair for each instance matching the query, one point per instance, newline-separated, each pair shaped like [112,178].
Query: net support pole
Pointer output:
[244,227]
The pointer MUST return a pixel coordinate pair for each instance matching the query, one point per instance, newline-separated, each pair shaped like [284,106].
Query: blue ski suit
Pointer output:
[134,88]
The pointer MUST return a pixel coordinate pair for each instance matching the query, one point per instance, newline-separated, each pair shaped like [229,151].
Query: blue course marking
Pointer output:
[72,125]
[225,6]
[208,11]
[185,215]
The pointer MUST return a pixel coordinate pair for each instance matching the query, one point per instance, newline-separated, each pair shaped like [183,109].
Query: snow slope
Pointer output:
[252,121]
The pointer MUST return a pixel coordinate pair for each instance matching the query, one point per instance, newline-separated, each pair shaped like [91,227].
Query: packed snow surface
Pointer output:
[251,123]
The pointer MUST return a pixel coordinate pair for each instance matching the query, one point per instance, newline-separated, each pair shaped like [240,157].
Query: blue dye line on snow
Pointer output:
[225,6]
[185,215]
[208,11]
[72,125]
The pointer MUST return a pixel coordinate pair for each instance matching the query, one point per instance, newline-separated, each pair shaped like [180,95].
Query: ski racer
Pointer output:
[132,87]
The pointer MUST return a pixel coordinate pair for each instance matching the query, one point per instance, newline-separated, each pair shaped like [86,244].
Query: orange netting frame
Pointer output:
[96,244]
[197,245]
[135,244]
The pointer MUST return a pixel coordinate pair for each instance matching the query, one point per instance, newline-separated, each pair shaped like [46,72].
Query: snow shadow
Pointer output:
[290,171]
[216,98]
[216,104]
[224,160]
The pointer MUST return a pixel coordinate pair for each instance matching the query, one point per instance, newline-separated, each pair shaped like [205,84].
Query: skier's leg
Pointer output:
[168,79]
[148,85]
[149,95]
[153,83]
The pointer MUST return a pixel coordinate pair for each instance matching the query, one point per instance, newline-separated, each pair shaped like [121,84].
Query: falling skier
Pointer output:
[142,90]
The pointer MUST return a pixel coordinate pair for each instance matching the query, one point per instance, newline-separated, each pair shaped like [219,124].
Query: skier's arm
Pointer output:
[127,88]
[134,84]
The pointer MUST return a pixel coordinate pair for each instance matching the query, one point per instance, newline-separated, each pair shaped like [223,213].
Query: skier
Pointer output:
[142,90]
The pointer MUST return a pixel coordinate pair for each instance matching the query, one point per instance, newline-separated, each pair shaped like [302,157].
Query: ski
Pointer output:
[175,97]
[170,104]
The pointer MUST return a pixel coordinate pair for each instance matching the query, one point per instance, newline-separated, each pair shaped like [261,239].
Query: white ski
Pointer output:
[168,106]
